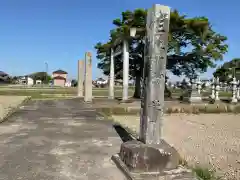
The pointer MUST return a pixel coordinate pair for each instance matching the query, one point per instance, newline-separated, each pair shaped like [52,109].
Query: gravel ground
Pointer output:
[9,102]
[206,139]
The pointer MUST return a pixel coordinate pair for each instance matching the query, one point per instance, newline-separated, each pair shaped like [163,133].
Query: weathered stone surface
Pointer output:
[88,78]
[179,173]
[155,56]
[140,157]
[80,77]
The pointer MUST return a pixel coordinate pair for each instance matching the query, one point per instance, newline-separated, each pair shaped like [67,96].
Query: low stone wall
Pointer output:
[8,104]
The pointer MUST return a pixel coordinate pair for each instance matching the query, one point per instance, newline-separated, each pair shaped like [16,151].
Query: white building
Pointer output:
[68,84]
[38,82]
[30,81]
[26,80]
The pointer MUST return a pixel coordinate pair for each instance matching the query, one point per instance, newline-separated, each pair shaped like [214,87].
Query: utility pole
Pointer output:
[46,66]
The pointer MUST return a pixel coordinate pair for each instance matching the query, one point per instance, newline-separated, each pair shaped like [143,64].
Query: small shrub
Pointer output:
[183,162]
[205,173]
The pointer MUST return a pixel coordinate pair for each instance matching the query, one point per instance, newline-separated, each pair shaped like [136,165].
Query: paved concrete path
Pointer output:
[57,140]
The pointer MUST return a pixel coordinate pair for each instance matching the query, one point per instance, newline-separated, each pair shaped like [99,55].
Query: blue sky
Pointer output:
[59,32]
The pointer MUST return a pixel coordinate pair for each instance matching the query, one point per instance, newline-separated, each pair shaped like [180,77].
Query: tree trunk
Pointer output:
[167,92]
[137,91]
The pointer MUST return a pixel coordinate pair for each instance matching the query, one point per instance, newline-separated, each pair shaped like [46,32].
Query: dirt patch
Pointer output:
[8,103]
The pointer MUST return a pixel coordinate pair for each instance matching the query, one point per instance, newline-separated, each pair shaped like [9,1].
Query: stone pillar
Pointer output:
[155,57]
[213,89]
[88,78]
[217,89]
[111,77]
[125,70]
[234,90]
[80,78]
[238,91]
[199,85]
[225,86]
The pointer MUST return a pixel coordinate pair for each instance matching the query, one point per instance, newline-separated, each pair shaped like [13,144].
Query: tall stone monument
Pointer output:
[88,78]
[155,56]
[152,157]
[80,78]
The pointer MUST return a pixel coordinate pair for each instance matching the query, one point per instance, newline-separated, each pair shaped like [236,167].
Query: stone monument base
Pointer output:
[139,161]
[192,97]
[234,101]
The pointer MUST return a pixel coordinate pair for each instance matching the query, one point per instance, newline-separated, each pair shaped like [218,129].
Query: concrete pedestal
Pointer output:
[139,161]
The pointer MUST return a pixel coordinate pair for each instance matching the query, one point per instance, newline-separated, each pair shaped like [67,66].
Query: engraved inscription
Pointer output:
[160,43]
[160,20]
[156,80]
[157,104]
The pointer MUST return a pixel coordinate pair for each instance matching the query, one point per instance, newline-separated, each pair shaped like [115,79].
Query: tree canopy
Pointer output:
[228,70]
[193,44]
[43,76]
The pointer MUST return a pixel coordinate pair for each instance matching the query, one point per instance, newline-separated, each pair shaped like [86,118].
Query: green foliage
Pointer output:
[43,76]
[205,173]
[193,44]
[228,70]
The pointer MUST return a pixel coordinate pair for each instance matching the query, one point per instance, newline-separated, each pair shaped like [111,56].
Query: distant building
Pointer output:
[68,84]
[25,80]
[38,81]
[30,81]
[59,77]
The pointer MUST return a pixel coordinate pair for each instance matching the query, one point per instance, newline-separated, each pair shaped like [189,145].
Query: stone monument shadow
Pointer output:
[123,133]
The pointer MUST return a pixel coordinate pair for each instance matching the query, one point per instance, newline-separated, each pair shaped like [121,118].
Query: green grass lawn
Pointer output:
[64,92]
[54,92]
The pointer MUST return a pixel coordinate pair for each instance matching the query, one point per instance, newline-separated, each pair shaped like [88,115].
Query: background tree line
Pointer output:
[193,46]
